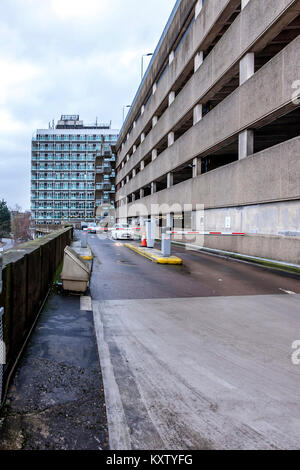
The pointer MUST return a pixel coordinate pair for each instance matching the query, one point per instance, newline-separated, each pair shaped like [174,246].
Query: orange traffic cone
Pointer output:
[144,241]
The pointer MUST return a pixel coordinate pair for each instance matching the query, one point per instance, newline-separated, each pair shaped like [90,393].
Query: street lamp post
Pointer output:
[124,107]
[142,63]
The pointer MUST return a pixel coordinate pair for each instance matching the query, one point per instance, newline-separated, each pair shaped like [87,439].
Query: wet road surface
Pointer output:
[198,356]
[120,274]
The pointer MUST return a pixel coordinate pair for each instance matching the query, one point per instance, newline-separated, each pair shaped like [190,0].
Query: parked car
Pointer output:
[121,232]
[92,228]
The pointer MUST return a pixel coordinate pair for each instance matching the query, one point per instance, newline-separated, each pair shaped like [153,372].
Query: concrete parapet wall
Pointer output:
[28,271]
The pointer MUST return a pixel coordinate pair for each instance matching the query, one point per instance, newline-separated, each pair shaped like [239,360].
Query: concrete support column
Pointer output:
[133,173]
[170,220]
[127,179]
[171,57]
[154,88]
[197,114]
[154,121]
[127,136]
[123,164]
[196,167]
[153,187]
[244,3]
[246,67]
[171,97]
[142,165]
[142,137]
[134,124]
[169,180]
[134,149]
[133,197]
[123,183]
[142,193]
[171,138]
[142,109]
[198,60]
[246,143]
[127,158]
[198,8]
[154,154]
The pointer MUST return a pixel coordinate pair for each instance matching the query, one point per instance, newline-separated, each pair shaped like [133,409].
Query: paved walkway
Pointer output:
[201,373]
[56,400]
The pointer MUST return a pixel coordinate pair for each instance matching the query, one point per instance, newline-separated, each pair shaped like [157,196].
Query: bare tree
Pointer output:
[20,225]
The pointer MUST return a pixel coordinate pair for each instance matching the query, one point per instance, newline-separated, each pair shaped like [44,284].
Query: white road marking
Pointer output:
[86,303]
[287,291]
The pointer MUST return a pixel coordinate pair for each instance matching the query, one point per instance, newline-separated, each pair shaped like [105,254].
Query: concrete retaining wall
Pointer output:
[28,271]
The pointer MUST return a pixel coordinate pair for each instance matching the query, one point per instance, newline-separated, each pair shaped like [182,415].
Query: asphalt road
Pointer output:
[198,356]
[119,273]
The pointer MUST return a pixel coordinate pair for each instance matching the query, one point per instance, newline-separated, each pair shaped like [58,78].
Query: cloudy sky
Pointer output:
[67,57]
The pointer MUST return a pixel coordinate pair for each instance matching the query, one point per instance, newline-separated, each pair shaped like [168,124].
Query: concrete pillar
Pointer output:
[134,124]
[122,145]
[128,136]
[127,158]
[154,88]
[133,173]
[142,137]
[246,143]
[123,164]
[142,109]
[127,179]
[197,114]
[169,180]
[171,97]
[171,57]
[246,67]
[171,139]
[142,193]
[142,165]
[198,8]
[244,3]
[154,154]
[154,121]
[133,197]
[196,167]
[198,60]
[153,187]
[134,149]
[123,183]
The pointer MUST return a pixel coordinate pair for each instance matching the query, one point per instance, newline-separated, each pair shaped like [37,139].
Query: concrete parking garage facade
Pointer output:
[216,121]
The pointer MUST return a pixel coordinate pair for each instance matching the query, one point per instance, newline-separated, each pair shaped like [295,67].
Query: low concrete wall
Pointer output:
[28,271]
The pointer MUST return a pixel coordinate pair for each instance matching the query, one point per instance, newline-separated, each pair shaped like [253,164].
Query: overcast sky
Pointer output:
[67,57]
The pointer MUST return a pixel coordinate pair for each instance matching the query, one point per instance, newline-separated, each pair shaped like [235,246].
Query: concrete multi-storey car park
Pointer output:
[216,121]
[72,172]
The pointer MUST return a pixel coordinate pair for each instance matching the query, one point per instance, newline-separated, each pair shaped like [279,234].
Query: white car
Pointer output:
[121,232]
[92,228]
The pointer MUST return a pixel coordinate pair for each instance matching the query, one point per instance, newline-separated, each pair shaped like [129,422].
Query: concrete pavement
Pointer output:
[201,373]
[196,356]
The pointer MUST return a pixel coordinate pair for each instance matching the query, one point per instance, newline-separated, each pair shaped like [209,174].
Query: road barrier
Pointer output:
[182,232]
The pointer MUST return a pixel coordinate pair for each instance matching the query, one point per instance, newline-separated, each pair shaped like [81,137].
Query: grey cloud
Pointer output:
[87,67]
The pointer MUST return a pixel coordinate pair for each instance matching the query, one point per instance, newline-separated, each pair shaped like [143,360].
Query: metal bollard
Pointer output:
[166,241]
[84,240]
[149,234]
